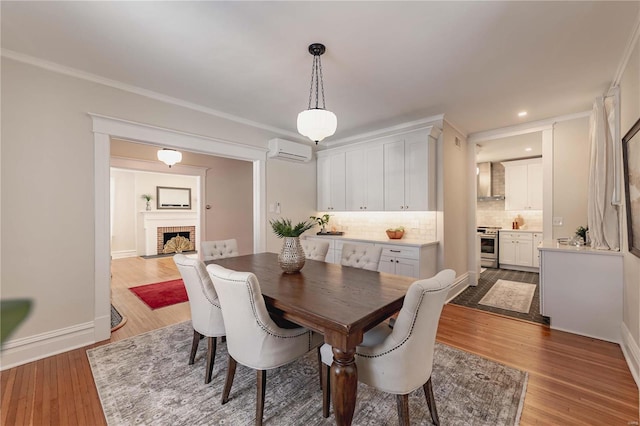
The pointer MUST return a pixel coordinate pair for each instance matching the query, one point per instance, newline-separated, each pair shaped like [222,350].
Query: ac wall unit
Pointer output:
[288,150]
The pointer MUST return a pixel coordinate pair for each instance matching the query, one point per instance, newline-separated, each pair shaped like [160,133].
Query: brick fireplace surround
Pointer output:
[164,229]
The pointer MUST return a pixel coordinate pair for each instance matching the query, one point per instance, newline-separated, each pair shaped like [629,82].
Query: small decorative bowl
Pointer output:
[395,235]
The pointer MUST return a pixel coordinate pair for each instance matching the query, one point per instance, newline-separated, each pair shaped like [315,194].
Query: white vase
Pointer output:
[148,205]
[291,258]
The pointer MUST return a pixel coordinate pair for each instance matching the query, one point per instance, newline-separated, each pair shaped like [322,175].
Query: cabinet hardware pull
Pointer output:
[395,251]
[397,261]
[401,207]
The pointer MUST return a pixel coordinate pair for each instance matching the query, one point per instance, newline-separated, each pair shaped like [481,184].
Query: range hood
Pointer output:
[485,190]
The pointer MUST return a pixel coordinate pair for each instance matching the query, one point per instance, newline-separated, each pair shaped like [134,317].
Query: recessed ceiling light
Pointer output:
[527,149]
[522,113]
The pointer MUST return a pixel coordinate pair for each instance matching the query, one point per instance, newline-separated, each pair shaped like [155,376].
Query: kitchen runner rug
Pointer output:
[146,380]
[162,294]
[510,295]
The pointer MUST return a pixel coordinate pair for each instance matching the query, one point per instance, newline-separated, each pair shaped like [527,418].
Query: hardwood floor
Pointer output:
[573,380]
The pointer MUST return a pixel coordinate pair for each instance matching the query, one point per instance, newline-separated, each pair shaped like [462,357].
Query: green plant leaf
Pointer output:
[12,313]
[283,228]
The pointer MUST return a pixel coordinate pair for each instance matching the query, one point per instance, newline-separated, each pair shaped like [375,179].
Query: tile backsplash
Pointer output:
[417,225]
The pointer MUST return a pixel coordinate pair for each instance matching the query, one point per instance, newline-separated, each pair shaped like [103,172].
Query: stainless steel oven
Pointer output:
[488,236]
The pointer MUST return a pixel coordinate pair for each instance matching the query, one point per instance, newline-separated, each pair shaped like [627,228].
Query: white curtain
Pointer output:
[603,219]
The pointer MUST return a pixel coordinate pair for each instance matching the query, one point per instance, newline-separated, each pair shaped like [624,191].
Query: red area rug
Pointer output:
[162,294]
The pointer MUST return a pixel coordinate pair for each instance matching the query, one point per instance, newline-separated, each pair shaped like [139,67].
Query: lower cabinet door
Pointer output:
[387,264]
[407,267]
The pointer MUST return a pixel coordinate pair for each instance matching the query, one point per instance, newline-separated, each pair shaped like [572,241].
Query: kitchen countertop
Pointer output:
[536,231]
[381,240]
[553,245]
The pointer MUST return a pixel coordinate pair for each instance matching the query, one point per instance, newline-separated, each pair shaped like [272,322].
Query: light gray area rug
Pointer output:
[146,380]
[510,295]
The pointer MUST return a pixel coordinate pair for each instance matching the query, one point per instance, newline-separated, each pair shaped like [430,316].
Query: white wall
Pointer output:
[228,191]
[456,207]
[123,231]
[570,175]
[630,112]
[288,183]
[47,185]
[128,230]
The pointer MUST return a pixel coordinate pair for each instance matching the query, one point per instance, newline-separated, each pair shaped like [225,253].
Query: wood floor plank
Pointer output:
[573,380]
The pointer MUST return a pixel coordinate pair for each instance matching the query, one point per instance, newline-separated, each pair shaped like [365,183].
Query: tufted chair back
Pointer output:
[206,315]
[315,250]
[212,250]
[253,338]
[365,256]
[400,360]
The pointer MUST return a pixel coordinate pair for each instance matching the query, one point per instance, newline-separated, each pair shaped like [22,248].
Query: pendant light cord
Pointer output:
[316,74]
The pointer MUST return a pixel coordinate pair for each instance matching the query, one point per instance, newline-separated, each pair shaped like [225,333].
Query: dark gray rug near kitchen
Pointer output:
[472,295]
[146,380]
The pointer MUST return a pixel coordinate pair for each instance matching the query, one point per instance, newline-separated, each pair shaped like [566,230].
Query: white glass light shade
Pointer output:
[317,124]
[169,156]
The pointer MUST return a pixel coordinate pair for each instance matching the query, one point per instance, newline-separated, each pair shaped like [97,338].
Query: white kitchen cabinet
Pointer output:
[415,259]
[364,179]
[409,174]
[393,173]
[331,173]
[515,250]
[523,184]
[537,239]
[334,254]
[581,290]
[400,260]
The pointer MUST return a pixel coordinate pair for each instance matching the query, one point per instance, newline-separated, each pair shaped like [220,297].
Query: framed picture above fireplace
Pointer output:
[173,198]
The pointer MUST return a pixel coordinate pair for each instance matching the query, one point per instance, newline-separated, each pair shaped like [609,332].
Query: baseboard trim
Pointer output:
[520,268]
[121,254]
[631,353]
[22,351]
[459,285]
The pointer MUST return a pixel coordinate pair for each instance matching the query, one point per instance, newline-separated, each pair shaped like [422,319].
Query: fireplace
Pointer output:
[168,236]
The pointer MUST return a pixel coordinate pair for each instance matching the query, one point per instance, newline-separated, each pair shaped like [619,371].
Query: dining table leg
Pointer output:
[344,385]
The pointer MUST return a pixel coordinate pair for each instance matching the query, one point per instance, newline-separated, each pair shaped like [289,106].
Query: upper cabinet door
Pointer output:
[338,177]
[356,180]
[324,183]
[394,176]
[515,187]
[534,186]
[416,175]
[523,184]
[374,194]
[331,182]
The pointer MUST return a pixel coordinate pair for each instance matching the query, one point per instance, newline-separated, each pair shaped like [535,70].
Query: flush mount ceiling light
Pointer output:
[169,156]
[317,123]
[522,114]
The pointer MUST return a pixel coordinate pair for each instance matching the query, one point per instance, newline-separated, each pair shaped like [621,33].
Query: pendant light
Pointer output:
[169,156]
[317,123]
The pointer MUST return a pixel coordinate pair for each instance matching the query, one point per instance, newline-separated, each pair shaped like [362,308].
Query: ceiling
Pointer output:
[387,63]
[510,148]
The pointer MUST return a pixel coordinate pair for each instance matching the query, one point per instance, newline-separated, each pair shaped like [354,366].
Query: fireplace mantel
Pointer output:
[154,219]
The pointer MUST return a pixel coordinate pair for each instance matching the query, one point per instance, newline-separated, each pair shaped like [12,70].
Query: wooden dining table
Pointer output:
[340,302]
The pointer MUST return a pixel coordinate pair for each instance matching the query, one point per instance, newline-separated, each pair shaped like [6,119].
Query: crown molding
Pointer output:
[524,128]
[628,51]
[73,72]
[387,131]
[456,128]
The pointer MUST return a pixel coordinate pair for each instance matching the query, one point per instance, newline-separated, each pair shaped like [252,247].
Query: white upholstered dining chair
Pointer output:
[206,315]
[315,250]
[363,256]
[400,360]
[212,250]
[253,338]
